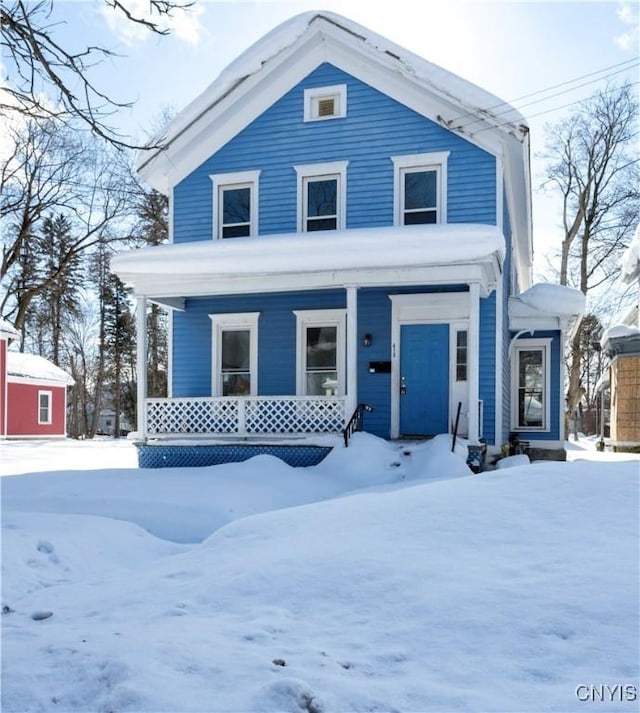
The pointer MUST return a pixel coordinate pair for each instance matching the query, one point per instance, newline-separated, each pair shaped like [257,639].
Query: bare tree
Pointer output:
[593,164]
[55,169]
[48,80]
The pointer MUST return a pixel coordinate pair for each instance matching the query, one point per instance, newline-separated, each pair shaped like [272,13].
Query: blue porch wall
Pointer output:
[555,387]
[376,128]
[192,345]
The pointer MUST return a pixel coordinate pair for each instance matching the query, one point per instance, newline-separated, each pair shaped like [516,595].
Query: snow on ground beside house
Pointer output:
[419,592]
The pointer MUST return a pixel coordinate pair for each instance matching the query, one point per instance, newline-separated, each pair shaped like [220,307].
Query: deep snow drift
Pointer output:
[376,581]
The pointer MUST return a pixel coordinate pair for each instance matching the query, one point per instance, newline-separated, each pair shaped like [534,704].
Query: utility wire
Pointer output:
[620,67]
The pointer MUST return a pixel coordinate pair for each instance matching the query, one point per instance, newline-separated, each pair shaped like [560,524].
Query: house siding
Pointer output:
[487,364]
[278,140]
[22,416]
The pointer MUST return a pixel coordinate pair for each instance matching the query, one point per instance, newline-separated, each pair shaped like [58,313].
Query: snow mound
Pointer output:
[513,461]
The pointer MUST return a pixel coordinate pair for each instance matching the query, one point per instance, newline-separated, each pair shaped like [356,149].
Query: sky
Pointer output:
[511,49]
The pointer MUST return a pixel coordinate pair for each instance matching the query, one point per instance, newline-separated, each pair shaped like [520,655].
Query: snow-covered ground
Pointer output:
[386,578]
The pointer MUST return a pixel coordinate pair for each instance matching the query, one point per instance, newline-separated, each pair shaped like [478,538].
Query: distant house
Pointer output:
[34,393]
[350,224]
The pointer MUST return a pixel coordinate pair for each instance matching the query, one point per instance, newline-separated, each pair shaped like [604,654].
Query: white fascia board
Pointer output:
[485,274]
[36,382]
[219,123]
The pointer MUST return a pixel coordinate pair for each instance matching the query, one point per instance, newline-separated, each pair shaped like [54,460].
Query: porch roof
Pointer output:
[397,255]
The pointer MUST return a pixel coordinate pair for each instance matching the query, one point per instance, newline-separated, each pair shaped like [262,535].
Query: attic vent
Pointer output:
[324,103]
[326,106]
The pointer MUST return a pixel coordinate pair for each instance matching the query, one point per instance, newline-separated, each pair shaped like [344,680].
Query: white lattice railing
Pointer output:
[244,415]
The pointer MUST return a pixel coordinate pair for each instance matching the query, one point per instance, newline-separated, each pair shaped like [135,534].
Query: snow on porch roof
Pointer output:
[336,251]
[32,366]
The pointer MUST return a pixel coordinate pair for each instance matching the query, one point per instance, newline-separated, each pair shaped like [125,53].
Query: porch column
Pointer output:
[352,350]
[141,364]
[473,353]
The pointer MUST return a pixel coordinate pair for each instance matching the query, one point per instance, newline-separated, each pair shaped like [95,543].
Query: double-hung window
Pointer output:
[322,190]
[420,188]
[235,201]
[321,352]
[235,354]
[44,407]
[530,372]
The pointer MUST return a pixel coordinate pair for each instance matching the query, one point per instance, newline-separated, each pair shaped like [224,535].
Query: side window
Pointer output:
[235,204]
[461,355]
[235,354]
[531,385]
[322,195]
[44,407]
[420,188]
[320,352]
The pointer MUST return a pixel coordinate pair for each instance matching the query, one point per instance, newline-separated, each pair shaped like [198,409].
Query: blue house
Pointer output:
[350,224]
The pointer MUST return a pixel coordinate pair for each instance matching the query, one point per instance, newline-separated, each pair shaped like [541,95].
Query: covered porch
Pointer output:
[342,269]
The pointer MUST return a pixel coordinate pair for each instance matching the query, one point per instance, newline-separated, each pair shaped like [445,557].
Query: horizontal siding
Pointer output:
[376,128]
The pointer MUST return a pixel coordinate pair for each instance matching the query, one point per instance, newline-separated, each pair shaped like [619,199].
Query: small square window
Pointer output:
[321,103]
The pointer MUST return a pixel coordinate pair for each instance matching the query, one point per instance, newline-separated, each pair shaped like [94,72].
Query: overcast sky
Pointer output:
[512,49]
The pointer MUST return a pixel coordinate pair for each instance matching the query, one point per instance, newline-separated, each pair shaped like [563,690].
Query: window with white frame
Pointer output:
[530,373]
[420,188]
[322,103]
[235,354]
[235,201]
[320,352]
[322,191]
[461,354]
[44,407]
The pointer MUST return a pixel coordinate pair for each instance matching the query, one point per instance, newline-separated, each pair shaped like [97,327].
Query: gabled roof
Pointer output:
[287,54]
[7,331]
[35,368]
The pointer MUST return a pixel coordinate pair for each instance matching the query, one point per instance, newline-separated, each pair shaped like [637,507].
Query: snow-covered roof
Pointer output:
[282,58]
[32,366]
[546,306]
[309,260]
[7,331]
[621,339]
[630,263]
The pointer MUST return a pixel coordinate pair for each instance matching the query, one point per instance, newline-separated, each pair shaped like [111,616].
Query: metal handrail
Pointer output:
[355,422]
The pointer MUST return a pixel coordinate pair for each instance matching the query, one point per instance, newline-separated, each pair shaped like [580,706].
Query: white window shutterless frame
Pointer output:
[322,196]
[235,204]
[320,353]
[235,354]
[420,188]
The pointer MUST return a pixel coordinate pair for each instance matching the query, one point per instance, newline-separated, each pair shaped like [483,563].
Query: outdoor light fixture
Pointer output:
[366,340]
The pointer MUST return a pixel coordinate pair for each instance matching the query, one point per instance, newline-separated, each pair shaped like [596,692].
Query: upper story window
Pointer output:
[420,188]
[235,204]
[322,196]
[321,103]
[530,374]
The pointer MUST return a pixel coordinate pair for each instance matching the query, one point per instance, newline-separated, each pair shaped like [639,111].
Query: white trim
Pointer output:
[450,308]
[500,356]
[352,350]
[49,407]
[238,321]
[320,318]
[473,373]
[239,179]
[562,400]
[422,161]
[313,95]
[141,365]
[171,202]
[330,169]
[544,344]
[499,193]
[170,314]
[35,381]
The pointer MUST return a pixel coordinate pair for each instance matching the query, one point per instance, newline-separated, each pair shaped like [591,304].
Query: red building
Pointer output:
[33,393]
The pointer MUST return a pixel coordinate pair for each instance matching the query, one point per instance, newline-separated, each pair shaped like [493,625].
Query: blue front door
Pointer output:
[424,379]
